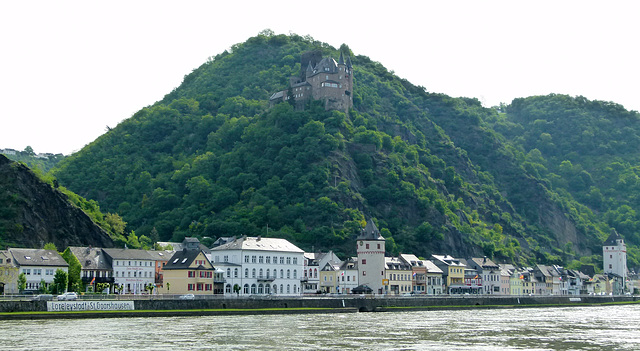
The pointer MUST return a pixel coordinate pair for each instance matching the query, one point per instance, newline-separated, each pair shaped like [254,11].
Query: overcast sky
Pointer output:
[68,69]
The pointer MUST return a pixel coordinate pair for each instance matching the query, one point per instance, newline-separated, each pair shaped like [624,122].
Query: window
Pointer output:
[288,274]
[295,260]
[364,273]
[275,259]
[288,260]
[226,258]
[227,289]
[246,272]
[228,272]
[246,259]
[191,287]
[364,261]
[367,246]
[260,259]
[200,286]
[281,260]
[235,272]
[245,289]
[253,259]
[192,274]
[295,274]
[260,273]
[253,288]
[315,273]
[253,273]
[282,273]
[378,246]
[268,259]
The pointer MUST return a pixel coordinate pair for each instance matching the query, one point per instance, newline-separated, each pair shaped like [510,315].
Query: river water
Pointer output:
[553,328]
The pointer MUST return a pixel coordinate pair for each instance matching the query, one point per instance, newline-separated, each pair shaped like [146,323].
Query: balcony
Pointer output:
[262,278]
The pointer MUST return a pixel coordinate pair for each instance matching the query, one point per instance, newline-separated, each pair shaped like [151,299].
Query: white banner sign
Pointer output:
[67,306]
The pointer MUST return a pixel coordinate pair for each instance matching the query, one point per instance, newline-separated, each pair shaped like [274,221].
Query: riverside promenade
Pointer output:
[171,305]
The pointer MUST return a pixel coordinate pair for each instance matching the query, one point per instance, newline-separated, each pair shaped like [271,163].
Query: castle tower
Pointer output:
[614,255]
[371,265]
[320,79]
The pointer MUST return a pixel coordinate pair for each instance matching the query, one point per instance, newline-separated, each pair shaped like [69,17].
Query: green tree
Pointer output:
[22,282]
[75,269]
[50,246]
[60,282]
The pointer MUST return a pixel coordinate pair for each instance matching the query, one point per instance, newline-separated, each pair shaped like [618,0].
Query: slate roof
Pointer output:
[370,232]
[129,254]
[431,267]
[38,257]
[183,259]
[7,259]
[259,244]
[484,262]
[91,257]
[612,239]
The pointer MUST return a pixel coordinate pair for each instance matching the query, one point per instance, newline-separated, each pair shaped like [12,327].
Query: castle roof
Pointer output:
[370,232]
[341,59]
[613,238]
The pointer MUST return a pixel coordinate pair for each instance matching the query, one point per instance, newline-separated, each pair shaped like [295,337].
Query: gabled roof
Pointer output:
[431,267]
[412,260]
[7,259]
[38,257]
[91,258]
[484,262]
[259,244]
[129,254]
[184,259]
[370,232]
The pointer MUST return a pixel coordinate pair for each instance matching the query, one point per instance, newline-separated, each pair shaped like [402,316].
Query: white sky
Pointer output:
[70,68]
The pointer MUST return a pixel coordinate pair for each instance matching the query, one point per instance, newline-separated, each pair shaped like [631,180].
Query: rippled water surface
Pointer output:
[559,328]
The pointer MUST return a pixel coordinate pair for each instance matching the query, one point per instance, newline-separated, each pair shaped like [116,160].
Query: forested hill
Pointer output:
[437,174]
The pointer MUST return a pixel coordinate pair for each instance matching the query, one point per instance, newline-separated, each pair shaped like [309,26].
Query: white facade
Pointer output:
[371,262]
[260,266]
[38,265]
[132,269]
[614,256]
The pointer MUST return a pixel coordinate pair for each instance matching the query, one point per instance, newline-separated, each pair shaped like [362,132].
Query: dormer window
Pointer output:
[27,257]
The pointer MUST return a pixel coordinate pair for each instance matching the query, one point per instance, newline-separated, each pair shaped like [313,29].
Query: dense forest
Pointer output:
[540,180]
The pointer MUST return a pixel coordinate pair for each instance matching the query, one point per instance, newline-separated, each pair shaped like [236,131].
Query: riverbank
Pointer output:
[305,305]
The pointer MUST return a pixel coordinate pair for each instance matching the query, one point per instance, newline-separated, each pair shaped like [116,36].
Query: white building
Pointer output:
[490,273]
[348,276]
[132,269]
[260,266]
[614,256]
[38,265]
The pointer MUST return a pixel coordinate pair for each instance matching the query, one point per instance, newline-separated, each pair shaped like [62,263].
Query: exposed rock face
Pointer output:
[33,213]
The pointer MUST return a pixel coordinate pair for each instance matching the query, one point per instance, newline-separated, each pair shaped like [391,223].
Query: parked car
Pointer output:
[68,296]
[186,297]
[43,297]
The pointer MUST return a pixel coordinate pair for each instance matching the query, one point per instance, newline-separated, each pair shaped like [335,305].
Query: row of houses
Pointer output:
[274,266]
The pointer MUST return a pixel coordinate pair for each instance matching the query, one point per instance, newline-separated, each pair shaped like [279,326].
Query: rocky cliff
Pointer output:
[33,213]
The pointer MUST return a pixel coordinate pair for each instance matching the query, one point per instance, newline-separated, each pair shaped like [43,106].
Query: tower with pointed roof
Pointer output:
[614,256]
[371,264]
[323,79]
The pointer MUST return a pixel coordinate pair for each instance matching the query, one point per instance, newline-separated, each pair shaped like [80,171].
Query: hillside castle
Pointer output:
[323,79]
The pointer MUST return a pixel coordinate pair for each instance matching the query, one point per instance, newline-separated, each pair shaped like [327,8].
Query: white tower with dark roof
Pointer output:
[614,256]
[371,264]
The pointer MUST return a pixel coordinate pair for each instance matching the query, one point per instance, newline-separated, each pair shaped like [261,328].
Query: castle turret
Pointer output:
[371,265]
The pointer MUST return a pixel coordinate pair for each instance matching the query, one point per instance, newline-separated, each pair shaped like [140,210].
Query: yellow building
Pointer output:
[453,269]
[398,276]
[189,272]
[329,278]
[8,274]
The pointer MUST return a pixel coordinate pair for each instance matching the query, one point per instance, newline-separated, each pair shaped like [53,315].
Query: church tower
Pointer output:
[614,255]
[371,265]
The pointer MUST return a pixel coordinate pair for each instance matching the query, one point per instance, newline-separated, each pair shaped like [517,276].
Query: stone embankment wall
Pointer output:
[362,304]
